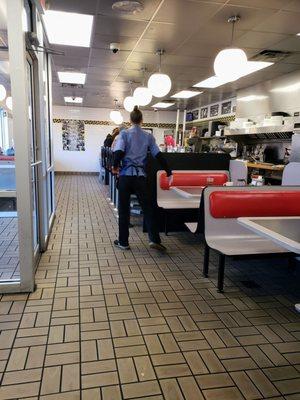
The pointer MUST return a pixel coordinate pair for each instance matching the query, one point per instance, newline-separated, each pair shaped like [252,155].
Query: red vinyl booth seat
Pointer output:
[235,204]
[193,179]
[7,158]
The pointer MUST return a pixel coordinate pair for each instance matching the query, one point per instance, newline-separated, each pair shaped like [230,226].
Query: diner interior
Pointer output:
[215,315]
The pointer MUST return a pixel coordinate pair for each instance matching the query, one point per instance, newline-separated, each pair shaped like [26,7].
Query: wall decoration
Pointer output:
[204,112]
[195,114]
[214,110]
[73,135]
[189,117]
[226,107]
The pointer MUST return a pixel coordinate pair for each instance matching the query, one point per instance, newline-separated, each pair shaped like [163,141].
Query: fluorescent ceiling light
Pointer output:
[212,82]
[215,81]
[287,89]
[185,94]
[254,66]
[163,105]
[298,34]
[77,100]
[68,29]
[252,98]
[72,77]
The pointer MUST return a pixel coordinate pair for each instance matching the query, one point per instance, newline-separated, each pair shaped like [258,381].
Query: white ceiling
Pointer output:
[191,32]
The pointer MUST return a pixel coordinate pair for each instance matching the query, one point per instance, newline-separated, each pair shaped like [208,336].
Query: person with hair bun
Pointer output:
[132,147]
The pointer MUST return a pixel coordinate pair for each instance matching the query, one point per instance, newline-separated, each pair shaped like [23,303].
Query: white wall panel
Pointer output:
[88,161]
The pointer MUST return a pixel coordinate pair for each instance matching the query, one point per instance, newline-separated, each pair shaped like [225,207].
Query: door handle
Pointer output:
[36,163]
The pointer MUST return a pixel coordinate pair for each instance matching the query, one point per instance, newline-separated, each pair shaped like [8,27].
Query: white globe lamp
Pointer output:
[159,84]
[9,103]
[2,92]
[116,116]
[142,96]
[230,64]
[119,119]
[129,103]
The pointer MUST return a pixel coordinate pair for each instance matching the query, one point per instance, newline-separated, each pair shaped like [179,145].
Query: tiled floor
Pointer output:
[9,249]
[109,325]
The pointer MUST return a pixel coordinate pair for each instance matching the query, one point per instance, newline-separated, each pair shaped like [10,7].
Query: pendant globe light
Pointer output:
[142,95]
[2,92]
[115,114]
[129,100]
[230,63]
[158,83]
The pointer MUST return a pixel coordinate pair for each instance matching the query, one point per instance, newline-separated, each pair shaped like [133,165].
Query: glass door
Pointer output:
[35,162]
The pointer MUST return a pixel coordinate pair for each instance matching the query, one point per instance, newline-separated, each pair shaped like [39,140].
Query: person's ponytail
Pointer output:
[136,116]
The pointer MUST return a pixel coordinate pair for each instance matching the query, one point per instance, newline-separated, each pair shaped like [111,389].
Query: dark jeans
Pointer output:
[135,185]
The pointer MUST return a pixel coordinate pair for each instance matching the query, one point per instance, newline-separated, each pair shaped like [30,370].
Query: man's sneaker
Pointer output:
[157,246]
[118,244]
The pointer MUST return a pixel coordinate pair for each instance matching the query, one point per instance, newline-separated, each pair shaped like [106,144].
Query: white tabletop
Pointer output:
[284,231]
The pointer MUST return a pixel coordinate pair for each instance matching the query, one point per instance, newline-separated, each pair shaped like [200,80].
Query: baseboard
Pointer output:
[75,173]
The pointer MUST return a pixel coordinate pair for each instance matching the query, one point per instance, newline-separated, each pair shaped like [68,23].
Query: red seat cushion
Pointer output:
[7,158]
[194,179]
[236,203]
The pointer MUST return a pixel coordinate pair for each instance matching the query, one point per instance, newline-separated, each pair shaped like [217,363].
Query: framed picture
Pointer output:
[195,114]
[189,117]
[73,135]
[214,110]
[226,107]
[204,112]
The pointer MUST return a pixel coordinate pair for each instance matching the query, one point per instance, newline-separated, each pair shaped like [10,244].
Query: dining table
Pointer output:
[285,231]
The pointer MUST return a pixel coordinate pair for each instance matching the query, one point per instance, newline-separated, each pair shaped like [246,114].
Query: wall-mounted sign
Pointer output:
[189,117]
[214,110]
[195,114]
[73,135]
[204,112]
[226,107]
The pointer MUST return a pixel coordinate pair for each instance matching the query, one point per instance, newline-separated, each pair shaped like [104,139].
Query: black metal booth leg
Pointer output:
[166,222]
[292,263]
[221,273]
[206,260]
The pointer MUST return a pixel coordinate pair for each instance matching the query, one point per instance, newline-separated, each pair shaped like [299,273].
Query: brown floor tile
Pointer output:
[141,325]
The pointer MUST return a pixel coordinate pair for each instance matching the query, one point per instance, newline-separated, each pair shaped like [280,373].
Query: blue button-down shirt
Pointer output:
[135,142]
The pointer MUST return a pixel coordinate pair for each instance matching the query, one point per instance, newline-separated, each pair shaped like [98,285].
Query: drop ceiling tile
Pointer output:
[290,44]
[194,13]
[119,27]
[262,40]
[109,56]
[77,6]
[293,59]
[292,5]
[105,9]
[250,17]
[71,63]
[102,42]
[144,59]
[262,4]
[161,42]
[284,22]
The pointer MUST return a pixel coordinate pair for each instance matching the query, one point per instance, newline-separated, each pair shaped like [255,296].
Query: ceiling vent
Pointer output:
[273,56]
[128,7]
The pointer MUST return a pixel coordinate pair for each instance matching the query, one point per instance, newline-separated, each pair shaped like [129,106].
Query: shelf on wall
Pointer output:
[214,137]
[228,118]
[281,132]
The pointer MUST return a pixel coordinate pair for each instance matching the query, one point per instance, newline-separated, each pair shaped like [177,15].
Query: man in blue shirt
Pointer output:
[132,147]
